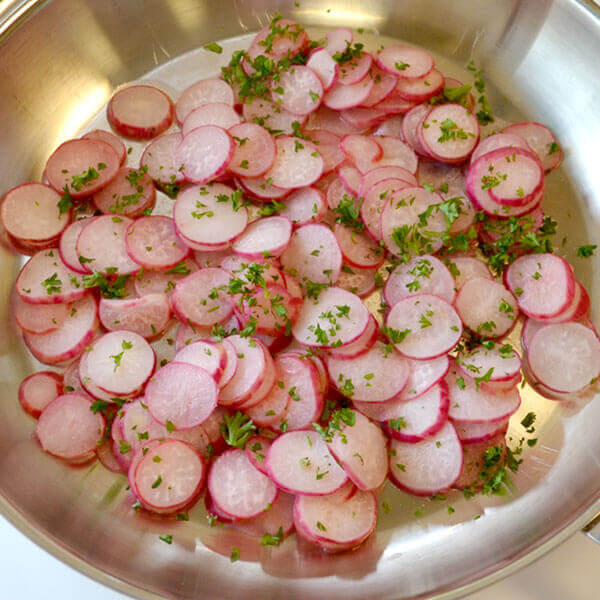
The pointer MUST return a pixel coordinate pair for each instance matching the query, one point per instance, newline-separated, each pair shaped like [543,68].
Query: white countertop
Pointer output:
[570,572]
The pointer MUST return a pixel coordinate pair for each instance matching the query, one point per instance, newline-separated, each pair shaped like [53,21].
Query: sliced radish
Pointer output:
[486,307]
[406,62]
[429,466]
[356,280]
[263,189]
[130,193]
[326,69]
[215,113]
[391,126]
[203,92]
[465,268]
[38,390]
[341,97]
[67,428]
[299,462]
[496,141]
[330,120]
[410,125]
[304,205]
[298,90]
[542,141]
[472,433]
[375,201]
[362,151]
[163,282]
[338,39]
[423,375]
[360,346]
[396,153]
[374,176]
[328,145]
[356,69]
[501,362]
[394,104]
[297,163]
[276,521]
[337,193]
[421,89]
[521,177]
[363,117]
[39,318]
[106,456]
[271,116]
[358,249]
[383,85]
[288,41]
[147,316]
[426,325]
[160,158]
[476,468]
[268,236]
[254,150]
[578,309]
[211,356]
[273,408]
[109,138]
[350,178]
[256,450]
[67,246]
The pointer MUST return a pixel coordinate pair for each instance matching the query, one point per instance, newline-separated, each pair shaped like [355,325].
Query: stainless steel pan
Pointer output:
[59,62]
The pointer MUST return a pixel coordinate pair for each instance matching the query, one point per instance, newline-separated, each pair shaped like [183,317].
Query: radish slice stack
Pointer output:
[323,302]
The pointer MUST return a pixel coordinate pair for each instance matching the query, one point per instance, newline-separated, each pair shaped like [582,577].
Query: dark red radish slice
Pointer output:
[324,67]
[210,356]
[256,451]
[496,141]
[423,375]
[67,428]
[422,89]
[406,62]
[147,316]
[106,456]
[363,117]
[361,448]
[465,268]
[330,120]
[350,178]
[304,205]
[299,462]
[208,285]
[374,176]
[341,97]
[356,280]
[297,163]
[361,150]
[473,433]
[203,92]
[38,390]
[411,123]
[140,111]
[163,282]
[328,145]
[181,393]
[271,116]
[39,318]
[333,524]
[82,166]
[383,85]
[263,189]
[404,209]
[338,39]
[486,307]
[130,193]
[476,462]
[578,309]
[496,362]
[429,466]
[160,159]
[375,376]
[396,153]
[215,113]
[313,327]
[541,140]
[276,521]
[31,211]
[421,275]
[204,153]
[109,138]
[394,104]
[360,346]
[358,249]
[313,254]
[472,403]
[179,471]
[268,236]
[298,90]
[45,279]
[254,150]
[427,325]
[544,284]
[101,246]
[238,488]
[420,418]
[391,126]
[565,357]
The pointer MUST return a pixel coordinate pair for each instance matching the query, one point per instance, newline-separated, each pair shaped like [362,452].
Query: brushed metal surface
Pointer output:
[59,63]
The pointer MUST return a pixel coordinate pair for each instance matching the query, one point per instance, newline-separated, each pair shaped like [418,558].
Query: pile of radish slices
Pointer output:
[223,346]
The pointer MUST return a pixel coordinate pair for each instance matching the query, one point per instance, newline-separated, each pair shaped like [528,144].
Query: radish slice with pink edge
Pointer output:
[426,325]
[106,456]
[334,524]
[298,90]
[328,145]
[360,346]
[496,141]
[391,126]
[45,279]
[541,140]
[182,394]
[313,254]
[363,117]
[421,275]
[71,382]
[406,62]
[578,309]
[358,249]
[153,243]
[305,205]
[256,450]
[472,433]
[147,316]
[361,150]
[119,362]
[268,236]
[356,280]
[330,120]
[361,448]
[271,116]
[341,97]
[211,356]
[276,521]
[422,89]
[311,323]
[375,201]
[207,285]
[74,158]
[203,92]
[449,133]
[565,357]
[31,212]
[291,40]
[160,159]
[271,409]
[500,361]
[206,258]
[429,466]
[297,163]
[337,192]
[544,284]
[423,375]
[265,383]
[140,111]
[465,268]
[38,390]
[215,113]
[238,488]
[324,67]
[338,39]
[204,153]
[38,318]
[254,150]
[396,153]
[262,189]
[163,282]
[109,138]
[350,178]
[471,403]
[67,428]
[411,123]
[486,307]
[130,193]
[414,420]
[393,104]
[356,69]
[67,246]
[383,85]
[178,468]
[187,333]
[212,428]
[243,269]
[375,376]
[299,462]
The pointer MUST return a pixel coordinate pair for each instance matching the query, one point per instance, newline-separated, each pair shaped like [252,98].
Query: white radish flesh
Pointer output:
[147,316]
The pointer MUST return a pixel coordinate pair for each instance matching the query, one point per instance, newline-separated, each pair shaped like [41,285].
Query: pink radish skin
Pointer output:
[360,346]
[541,140]
[363,117]
[405,62]
[375,201]
[522,178]
[361,150]
[67,246]
[147,316]
[330,120]
[267,236]
[302,90]
[496,141]
[203,92]
[341,97]
[210,356]
[109,138]
[297,164]
[356,69]
[338,39]
[350,178]
[328,144]
[160,159]
[374,176]
[422,89]
[256,451]
[38,318]
[473,433]
[505,366]
[411,123]
[305,205]
[383,85]
[254,150]
[326,69]
[262,190]
[393,104]
[396,153]
[578,309]
[278,518]
[215,113]
[423,375]
[38,390]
